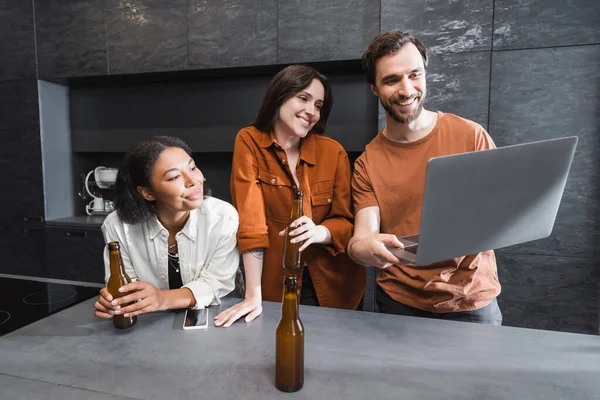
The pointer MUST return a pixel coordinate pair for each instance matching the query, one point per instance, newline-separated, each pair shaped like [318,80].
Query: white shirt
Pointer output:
[207,246]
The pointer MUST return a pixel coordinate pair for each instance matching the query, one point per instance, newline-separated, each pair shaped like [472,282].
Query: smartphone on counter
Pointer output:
[195,319]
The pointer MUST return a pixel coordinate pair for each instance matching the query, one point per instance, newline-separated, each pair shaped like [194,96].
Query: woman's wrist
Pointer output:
[326,237]
[177,298]
[253,294]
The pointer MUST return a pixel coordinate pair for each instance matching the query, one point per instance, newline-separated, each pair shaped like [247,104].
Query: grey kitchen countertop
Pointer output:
[81,221]
[348,355]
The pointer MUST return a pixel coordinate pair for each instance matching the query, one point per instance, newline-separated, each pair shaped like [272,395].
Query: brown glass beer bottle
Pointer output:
[291,255]
[289,348]
[118,278]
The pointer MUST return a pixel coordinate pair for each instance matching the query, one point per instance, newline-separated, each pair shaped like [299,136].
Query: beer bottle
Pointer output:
[118,278]
[289,348]
[291,255]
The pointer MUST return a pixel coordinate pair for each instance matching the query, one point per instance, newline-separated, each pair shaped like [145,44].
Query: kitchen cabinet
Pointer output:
[22,197]
[74,253]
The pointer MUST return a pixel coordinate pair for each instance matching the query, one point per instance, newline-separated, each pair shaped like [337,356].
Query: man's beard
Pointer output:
[403,118]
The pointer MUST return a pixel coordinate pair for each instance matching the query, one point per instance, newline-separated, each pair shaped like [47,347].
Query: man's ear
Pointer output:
[145,193]
[374,90]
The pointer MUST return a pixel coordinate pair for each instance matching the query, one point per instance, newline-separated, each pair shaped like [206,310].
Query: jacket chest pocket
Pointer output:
[321,200]
[277,196]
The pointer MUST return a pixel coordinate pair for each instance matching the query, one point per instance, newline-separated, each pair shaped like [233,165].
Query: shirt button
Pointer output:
[273,181]
[329,200]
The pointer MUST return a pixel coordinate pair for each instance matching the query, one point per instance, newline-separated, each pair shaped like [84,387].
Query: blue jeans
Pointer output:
[489,314]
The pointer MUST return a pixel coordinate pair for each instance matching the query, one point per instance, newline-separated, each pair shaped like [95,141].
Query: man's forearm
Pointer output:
[355,252]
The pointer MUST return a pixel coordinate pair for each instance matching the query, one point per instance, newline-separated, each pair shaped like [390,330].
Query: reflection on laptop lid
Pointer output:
[489,199]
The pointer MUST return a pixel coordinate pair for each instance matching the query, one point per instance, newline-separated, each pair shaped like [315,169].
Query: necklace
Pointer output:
[172,246]
[172,259]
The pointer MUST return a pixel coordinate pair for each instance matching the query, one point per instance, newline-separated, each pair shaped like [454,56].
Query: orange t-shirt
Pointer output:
[391,176]
[262,190]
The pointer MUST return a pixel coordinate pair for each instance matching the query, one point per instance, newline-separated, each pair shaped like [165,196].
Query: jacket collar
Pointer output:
[308,146]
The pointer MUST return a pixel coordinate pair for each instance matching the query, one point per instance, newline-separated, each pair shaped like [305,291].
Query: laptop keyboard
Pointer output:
[411,248]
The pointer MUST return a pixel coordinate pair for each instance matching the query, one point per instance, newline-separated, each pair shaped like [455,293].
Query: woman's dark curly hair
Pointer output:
[136,170]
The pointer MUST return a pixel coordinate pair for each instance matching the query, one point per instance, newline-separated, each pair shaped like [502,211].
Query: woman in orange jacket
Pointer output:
[282,151]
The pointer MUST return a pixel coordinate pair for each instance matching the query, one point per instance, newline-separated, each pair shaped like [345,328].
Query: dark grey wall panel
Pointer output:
[17,45]
[460,84]
[311,30]
[216,168]
[71,38]
[353,118]
[555,93]
[207,114]
[543,23]
[146,35]
[442,25]
[551,293]
[21,242]
[232,33]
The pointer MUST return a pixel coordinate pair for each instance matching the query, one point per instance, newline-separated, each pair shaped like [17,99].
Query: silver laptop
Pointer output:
[489,199]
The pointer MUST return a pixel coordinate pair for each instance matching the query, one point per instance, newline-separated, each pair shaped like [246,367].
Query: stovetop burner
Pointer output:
[4,316]
[49,297]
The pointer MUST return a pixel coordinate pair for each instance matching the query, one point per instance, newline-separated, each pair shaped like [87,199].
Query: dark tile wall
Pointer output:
[459,83]
[539,102]
[325,30]
[547,292]
[146,36]
[442,25]
[232,33]
[71,38]
[17,41]
[542,23]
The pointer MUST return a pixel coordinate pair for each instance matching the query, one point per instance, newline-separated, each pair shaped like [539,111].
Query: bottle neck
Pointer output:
[296,208]
[116,263]
[290,303]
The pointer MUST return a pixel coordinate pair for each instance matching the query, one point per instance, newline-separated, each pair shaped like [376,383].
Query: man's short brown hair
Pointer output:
[386,44]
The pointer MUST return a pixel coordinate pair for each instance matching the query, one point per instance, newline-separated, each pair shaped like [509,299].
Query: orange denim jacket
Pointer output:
[262,192]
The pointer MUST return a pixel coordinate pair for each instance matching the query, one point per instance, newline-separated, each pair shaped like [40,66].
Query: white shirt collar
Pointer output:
[189,229]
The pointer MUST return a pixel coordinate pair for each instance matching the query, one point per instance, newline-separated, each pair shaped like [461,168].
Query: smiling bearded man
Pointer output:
[388,205]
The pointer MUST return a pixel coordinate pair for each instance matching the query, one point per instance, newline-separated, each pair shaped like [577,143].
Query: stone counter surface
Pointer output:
[348,355]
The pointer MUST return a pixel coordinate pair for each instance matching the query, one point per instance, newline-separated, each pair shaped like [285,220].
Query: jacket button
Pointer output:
[329,200]
[273,181]
[283,162]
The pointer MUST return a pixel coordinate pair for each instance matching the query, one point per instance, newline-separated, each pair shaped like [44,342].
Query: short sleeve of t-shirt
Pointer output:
[362,191]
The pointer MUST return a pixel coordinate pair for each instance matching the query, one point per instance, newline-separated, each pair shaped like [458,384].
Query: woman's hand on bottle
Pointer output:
[143,296]
[103,306]
[306,231]
[251,307]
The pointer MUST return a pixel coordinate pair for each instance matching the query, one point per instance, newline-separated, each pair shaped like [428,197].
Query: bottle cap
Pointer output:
[114,246]
[290,280]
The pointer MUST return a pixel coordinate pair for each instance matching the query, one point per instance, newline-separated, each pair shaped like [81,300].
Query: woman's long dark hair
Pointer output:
[284,86]
[136,170]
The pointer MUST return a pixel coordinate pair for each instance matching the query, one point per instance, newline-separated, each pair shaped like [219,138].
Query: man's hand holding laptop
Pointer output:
[374,250]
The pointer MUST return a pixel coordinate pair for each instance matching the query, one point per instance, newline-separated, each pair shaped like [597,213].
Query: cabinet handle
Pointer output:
[33,223]
[78,234]
[34,218]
